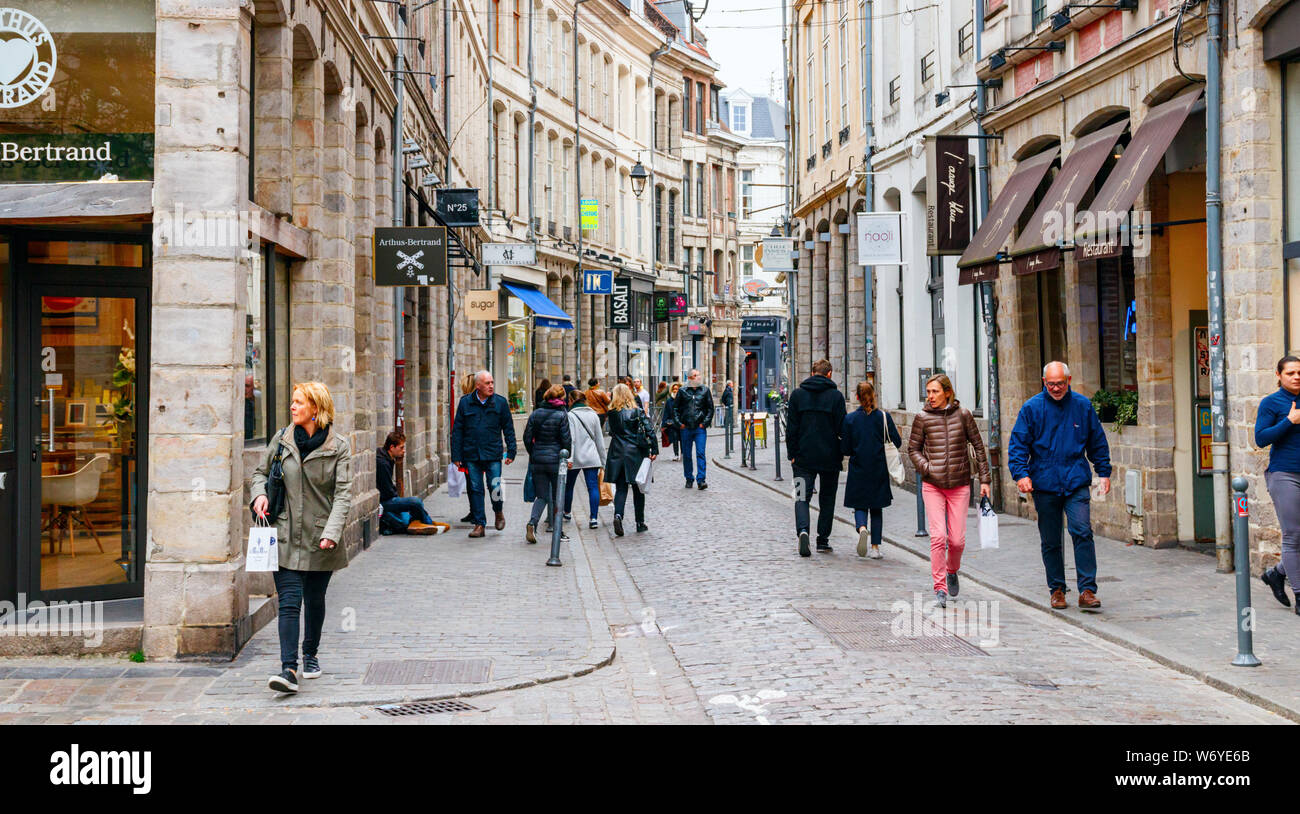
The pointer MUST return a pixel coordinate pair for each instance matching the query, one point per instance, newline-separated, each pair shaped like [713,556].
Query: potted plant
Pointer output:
[124,403]
[1105,402]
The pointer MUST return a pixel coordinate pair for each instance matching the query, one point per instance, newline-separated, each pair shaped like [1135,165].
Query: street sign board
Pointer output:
[458,207]
[620,304]
[676,304]
[410,255]
[880,238]
[589,212]
[597,281]
[508,254]
[481,305]
[659,306]
[778,254]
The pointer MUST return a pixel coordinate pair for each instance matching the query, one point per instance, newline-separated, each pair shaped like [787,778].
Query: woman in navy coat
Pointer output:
[867,491]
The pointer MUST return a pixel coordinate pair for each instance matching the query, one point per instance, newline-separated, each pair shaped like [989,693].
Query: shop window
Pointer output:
[6,350]
[1051,317]
[1117,323]
[94,114]
[266,352]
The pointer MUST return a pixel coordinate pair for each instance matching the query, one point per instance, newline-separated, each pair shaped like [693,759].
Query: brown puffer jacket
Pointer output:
[937,446]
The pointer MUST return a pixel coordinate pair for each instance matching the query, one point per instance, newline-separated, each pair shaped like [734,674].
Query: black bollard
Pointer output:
[776,427]
[557,510]
[728,421]
[753,443]
[921,530]
[1241,563]
[744,440]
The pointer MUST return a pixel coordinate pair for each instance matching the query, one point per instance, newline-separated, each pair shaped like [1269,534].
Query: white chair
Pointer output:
[67,496]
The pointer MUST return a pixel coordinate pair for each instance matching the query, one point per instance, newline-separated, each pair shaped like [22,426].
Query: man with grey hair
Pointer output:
[482,421]
[693,410]
[1056,435]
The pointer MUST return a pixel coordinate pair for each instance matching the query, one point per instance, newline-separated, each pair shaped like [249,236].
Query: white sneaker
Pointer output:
[876,553]
[864,537]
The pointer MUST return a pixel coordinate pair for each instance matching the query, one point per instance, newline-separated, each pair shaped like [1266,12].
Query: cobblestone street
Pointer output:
[711,614]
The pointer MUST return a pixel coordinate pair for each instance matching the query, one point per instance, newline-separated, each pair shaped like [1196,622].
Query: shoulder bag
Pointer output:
[275,480]
[893,460]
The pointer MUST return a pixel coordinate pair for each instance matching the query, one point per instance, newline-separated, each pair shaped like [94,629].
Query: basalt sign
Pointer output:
[880,238]
[620,304]
[947,195]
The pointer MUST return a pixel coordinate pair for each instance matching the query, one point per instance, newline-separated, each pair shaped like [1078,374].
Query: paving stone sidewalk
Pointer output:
[1169,604]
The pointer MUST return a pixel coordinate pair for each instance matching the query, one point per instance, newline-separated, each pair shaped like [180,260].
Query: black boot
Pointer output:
[1277,584]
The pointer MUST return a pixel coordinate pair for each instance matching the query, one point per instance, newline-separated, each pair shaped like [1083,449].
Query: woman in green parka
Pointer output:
[317,467]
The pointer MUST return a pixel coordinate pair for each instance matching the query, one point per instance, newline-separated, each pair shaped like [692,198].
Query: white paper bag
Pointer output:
[644,476]
[455,481]
[263,551]
[988,525]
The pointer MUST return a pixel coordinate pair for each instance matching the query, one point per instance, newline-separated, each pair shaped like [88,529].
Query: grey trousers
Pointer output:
[1284,488]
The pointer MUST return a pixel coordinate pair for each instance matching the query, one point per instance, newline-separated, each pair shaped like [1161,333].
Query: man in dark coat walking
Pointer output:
[482,420]
[693,412]
[814,430]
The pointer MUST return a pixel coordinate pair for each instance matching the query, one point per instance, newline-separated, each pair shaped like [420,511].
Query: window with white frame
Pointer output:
[565,206]
[746,193]
[686,187]
[809,78]
[593,82]
[747,260]
[622,212]
[605,86]
[550,52]
[740,118]
[862,62]
[640,228]
[550,179]
[826,79]
[844,74]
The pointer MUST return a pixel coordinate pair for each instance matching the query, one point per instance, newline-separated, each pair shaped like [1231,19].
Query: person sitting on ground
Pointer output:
[402,515]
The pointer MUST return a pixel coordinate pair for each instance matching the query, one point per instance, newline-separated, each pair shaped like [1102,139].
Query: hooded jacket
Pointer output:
[1051,439]
[937,446]
[815,424]
[546,434]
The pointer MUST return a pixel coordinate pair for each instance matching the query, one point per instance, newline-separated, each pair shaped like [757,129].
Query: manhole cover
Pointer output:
[440,671]
[874,630]
[425,708]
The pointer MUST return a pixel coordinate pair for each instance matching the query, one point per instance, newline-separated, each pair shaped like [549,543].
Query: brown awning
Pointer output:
[1036,249]
[979,261]
[1098,234]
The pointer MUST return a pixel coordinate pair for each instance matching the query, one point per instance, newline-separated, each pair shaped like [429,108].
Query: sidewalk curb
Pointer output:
[1138,644]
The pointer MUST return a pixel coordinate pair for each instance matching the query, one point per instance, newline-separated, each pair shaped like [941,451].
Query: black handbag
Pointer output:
[275,481]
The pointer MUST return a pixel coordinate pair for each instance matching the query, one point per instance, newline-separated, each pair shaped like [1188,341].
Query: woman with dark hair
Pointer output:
[546,436]
[1277,426]
[937,448]
[867,491]
[539,395]
[672,428]
[631,441]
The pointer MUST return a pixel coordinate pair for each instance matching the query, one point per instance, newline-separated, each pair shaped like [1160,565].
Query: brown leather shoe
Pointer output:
[1058,599]
[477,532]
[501,521]
[1088,601]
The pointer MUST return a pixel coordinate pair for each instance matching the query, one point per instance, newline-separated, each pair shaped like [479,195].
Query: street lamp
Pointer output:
[639,176]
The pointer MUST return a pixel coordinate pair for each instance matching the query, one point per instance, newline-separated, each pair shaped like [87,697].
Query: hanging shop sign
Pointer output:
[589,213]
[458,207]
[597,281]
[880,238]
[778,254]
[620,304]
[410,255]
[676,304]
[659,306]
[947,195]
[508,254]
[481,305]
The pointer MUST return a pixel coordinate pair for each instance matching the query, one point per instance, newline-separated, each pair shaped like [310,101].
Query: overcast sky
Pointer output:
[745,39]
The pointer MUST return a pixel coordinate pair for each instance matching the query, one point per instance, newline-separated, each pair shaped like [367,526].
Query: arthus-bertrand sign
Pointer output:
[27,58]
[947,195]
[411,255]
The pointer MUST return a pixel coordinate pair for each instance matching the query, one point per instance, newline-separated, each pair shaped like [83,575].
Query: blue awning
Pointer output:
[546,314]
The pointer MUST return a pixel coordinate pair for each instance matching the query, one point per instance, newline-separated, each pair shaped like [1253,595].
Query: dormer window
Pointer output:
[740,118]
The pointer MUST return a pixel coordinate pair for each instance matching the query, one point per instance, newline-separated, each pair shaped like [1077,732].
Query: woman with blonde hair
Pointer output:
[867,491]
[631,441]
[937,448]
[308,507]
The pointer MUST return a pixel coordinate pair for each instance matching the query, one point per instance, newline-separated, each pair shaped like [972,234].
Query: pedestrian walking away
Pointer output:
[547,439]
[402,515]
[937,447]
[673,428]
[631,441]
[813,444]
[317,494]
[567,383]
[539,395]
[693,413]
[867,490]
[1056,435]
[597,399]
[481,433]
[587,457]
[1277,426]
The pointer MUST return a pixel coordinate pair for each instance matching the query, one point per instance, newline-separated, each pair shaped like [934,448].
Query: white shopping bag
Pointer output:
[988,525]
[455,481]
[644,476]
[263,551]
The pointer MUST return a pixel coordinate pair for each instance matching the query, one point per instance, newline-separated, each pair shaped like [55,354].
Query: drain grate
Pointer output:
[425,708]
[438,671]
[874,630]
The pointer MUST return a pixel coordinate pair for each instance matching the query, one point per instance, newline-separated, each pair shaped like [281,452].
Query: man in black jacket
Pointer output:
[814,426]
[482,420]
[401,514]
[693,411]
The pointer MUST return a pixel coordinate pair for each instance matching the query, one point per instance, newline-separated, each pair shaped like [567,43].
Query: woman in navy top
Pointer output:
[1278,426]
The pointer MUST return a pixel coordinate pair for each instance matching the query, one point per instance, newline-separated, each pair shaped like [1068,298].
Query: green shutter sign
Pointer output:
[589,210]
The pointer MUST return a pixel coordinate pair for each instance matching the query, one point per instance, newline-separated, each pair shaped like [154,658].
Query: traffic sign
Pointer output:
[597,281]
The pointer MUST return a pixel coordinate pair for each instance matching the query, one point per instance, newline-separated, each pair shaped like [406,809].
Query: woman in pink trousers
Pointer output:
[937,448]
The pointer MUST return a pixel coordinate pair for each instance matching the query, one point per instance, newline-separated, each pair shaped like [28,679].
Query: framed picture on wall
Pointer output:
[79,412]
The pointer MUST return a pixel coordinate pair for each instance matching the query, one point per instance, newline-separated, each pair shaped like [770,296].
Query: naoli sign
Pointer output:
[27,57]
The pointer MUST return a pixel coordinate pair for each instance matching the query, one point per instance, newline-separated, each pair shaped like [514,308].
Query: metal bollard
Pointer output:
[729,422]
[557,510]
[776,427]
[753,444]
[744,441]
[1241,556]
[921,530]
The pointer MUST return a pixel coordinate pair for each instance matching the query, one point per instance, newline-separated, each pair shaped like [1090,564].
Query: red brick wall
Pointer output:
[994,5]
[1104,32]
[1114,28]
[1033,72]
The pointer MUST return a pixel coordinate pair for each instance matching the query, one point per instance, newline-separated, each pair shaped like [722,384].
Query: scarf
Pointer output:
[309,444]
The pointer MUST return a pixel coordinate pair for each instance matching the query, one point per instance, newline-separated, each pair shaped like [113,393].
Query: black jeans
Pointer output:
[296,589]
[804,483]
[545,479]
[620,501]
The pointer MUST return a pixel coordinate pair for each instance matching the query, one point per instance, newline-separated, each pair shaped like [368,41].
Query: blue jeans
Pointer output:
[297,589]
[693,438]
[873,518]
[477,471]
[592,477]
[404,509]
[1076,507]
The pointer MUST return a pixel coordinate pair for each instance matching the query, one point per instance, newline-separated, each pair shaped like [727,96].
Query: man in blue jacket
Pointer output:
[482,420]
[1054,432]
